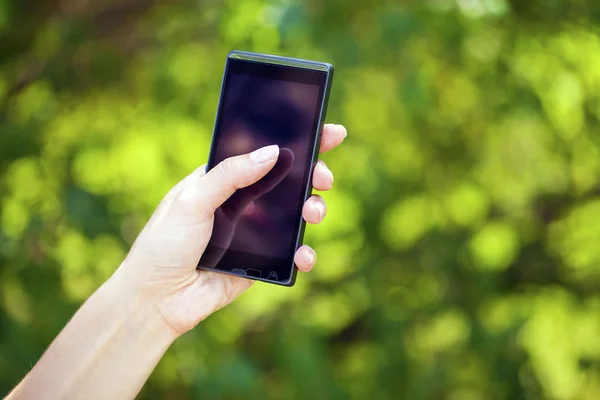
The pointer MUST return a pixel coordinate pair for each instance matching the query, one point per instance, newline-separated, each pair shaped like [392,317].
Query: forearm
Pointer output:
[107,351]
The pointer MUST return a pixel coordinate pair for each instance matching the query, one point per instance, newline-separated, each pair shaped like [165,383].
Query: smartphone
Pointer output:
[265,100]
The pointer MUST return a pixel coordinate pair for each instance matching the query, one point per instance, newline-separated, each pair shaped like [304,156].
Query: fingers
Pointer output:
[210,191]
[322,177]
[333,136]
[241,198]
[305,258]
[314,210]
[195,175]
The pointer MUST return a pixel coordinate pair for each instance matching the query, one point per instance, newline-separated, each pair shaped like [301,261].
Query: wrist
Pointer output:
[107,350]
[140,313]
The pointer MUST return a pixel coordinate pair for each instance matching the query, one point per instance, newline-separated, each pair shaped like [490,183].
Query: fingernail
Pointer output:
[311,258]
[342,127]
[320,210]
[326,168]
[265,154]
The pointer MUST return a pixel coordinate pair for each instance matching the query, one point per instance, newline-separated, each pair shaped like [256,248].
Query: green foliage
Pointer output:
[460,259]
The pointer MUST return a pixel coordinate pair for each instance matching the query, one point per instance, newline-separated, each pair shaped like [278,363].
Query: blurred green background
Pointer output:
[461,255]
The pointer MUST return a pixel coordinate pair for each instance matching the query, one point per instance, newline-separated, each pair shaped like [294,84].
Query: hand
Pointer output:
[161,265]
[227,215]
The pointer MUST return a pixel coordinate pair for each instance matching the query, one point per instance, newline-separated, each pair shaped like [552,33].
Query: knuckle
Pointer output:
[188,197]
[226,293]
[228,174]
[226,166]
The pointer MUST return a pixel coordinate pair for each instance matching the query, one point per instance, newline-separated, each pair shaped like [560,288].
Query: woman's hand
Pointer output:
[161,265]
[114,341]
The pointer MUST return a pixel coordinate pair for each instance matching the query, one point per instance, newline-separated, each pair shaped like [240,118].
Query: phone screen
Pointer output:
[257,229]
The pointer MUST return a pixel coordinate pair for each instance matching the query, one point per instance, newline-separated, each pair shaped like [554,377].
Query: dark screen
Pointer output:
[264,104]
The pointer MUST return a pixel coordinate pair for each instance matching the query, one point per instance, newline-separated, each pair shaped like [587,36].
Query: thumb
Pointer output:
[209,192]
[236,204]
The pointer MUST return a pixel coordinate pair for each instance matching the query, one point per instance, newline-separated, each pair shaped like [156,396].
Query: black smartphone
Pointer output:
[265,100]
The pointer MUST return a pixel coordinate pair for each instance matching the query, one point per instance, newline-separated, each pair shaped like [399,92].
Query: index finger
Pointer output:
[333,136]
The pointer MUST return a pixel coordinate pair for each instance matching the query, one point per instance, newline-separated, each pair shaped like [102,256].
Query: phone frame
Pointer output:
[316,140]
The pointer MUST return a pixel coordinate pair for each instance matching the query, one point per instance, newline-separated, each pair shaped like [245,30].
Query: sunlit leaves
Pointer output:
[15,217]
[190,65]
[331,312]
[519,160]
[408,221]
[15,300]
[585,165]
[577,237]
[560,336]
[484,47]
[369,104]
[458,96]
[495,246]
[466,204]
[480,8]
[36,103]
[251,21]
[265,299]
[343,216]
[466,185]
[359,366]
[444,332]
[339,256]
[501,314]
[86,263]
[25,193]
[564,101]
[407,291]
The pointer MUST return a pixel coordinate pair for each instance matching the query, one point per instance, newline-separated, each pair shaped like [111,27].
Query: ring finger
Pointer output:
[314,210]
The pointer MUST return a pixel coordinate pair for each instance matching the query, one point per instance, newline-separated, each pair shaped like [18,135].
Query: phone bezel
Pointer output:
[316,140]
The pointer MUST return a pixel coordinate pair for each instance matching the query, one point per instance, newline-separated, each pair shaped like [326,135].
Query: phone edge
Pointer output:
[315,159]
[329,70]
[279,60]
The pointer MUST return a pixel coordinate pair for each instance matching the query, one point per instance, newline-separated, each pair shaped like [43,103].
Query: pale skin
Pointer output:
[111,345]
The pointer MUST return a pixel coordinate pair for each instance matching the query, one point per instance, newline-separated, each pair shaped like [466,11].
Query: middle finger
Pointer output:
[322,177]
